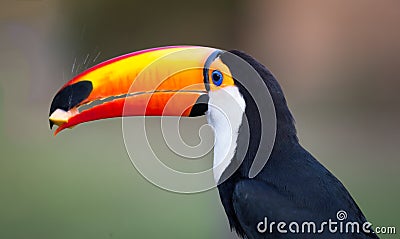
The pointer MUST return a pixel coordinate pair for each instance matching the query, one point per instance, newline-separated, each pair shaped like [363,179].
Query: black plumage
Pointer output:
[293,185]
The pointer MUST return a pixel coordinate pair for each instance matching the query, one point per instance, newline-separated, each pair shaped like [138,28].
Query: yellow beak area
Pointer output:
[161,81]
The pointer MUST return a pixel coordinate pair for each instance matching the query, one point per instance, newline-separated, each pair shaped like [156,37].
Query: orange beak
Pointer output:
[167,81]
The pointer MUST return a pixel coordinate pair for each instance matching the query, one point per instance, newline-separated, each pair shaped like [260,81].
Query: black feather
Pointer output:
[293,185]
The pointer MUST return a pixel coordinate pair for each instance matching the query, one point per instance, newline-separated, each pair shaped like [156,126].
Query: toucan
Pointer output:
[292,195]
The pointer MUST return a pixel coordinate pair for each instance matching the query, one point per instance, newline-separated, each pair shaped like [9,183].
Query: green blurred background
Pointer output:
[337,62]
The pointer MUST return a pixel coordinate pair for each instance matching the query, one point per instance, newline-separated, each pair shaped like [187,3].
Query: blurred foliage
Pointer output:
[87,188]
[115,28]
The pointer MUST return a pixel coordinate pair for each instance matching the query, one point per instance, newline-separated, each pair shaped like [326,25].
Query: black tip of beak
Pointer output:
[70,96]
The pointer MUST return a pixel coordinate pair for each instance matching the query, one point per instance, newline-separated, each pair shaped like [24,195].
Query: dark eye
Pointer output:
[217,77]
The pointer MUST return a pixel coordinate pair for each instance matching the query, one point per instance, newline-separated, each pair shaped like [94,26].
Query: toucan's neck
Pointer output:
[226,121]
[250,136]
[285,128]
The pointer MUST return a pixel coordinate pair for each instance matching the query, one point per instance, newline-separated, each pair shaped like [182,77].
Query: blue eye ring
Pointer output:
[217,77]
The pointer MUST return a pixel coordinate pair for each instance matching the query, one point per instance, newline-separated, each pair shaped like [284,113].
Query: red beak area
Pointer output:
[175,104]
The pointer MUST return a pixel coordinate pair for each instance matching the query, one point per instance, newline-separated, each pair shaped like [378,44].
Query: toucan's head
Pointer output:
[238,94]
[166,81]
